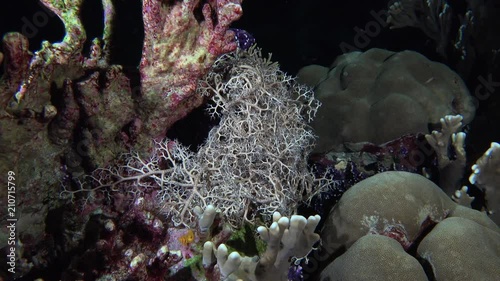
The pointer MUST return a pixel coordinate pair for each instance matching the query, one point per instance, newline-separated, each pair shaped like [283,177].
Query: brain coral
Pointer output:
[362,232]
[378,95]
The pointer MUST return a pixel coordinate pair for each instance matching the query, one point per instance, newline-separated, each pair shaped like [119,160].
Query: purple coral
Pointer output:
[295,273]
[244,39]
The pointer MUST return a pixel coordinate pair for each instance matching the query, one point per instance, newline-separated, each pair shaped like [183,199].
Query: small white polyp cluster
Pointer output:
[285,238]
[486,166]
[462,198]
[449,134]
[486,175]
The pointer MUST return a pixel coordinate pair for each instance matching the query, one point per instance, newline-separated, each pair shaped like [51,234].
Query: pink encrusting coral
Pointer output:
[68,52]
[182,40]
[65,112]
[179,48]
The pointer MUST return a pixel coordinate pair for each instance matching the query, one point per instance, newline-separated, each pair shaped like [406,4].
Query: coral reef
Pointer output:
[178,50]
[439,156]
[432,17]
[486,175]
[379,257]
[65,113]
[358,161]
[286,238]
[383,86]
[253,163]
[464,30]
[101,193]
[413,211]
[446,142]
